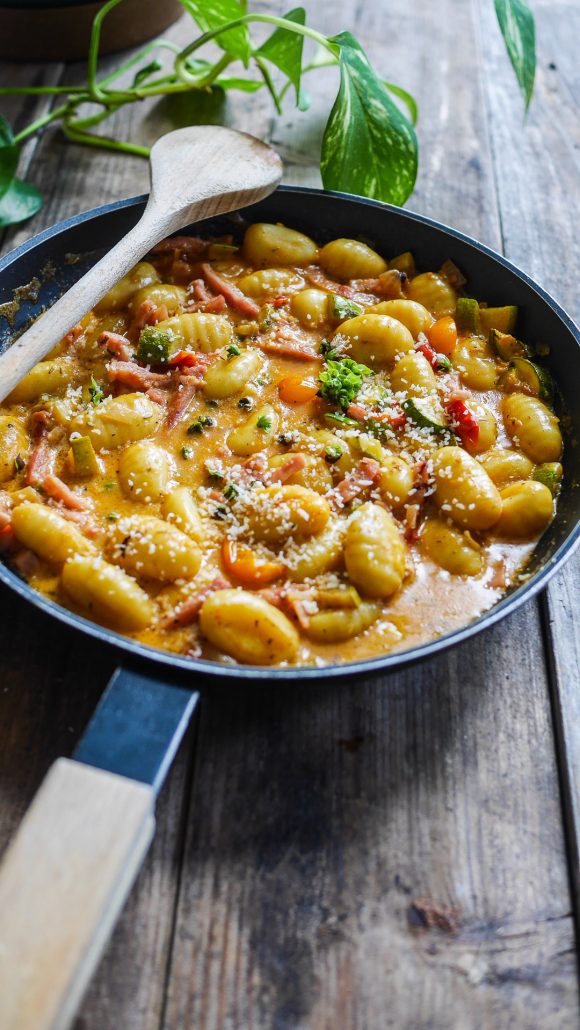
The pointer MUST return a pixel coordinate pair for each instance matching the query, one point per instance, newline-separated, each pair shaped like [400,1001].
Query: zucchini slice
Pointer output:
[426,413]
[503,319]
[84,458]
[467,315]
[507,346]
[522,374]
[550,474]
[340,308]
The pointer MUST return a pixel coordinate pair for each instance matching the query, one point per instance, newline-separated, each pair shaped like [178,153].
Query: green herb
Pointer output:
[113,516]
[220,513]
[110,485]
[245,402]
[265,317]
[342,380]
[19,464]
[231,492]
[215,473]
[155,345]
[341,308]
[287,439]
[201,423]
[443,363]
[96,392]
[187,452]
[264,422]
[211,403]
[369,145]
[329,350]
[233,350]
[337,418]
[332,453]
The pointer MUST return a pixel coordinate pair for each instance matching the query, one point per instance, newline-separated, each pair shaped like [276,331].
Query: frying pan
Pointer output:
[92,819]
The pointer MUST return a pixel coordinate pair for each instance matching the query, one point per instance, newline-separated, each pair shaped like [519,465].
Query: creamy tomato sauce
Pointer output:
[280,454]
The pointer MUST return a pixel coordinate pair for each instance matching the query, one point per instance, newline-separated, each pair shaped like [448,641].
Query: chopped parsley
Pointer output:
[215,473]
[245,402]
[113,516]
[264,422]
[187,452]
[110,485]
[342,380]
[220,513]
[443,363]
[155,345]
[96,392]
[231,492]
[233,350]
[19,464]
[201,423]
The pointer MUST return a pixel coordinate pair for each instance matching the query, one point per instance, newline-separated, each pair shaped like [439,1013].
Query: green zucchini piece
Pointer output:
[340,308]
[467,315]
[155,345]
[404,263]
[84,457]
[530,378]
[336,418]
[507,346]
[550,474]
[504,319]
[424,413]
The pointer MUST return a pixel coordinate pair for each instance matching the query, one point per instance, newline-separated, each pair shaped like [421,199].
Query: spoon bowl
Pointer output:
[196,173]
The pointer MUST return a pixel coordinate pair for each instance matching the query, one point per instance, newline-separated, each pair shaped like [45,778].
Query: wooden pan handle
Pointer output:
[62,883]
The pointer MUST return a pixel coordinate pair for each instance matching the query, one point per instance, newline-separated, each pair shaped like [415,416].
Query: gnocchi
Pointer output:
[310,454]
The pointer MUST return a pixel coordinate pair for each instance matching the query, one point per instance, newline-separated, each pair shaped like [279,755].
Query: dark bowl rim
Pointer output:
[365,667]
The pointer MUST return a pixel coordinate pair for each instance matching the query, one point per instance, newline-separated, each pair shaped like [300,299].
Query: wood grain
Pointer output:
[317,816]
[538,171]
[63,881]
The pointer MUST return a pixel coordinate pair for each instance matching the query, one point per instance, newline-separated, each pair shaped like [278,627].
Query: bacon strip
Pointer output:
[187,612]
[295,463]
[361,480]
[40,461]
[388,284]
[193,246]
[129,374]
[180,401]
[286,350]
[116,344]
[59,491]
[148,313]
[232,294]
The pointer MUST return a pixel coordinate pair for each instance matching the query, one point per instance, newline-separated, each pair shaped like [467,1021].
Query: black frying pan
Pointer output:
[101,804]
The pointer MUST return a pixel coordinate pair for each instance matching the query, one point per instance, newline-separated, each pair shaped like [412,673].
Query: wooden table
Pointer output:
[299,827]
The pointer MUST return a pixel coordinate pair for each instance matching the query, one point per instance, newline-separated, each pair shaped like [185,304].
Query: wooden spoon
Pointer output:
[196,173]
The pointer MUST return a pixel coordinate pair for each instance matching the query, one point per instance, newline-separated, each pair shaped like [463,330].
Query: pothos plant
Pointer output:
[369,144]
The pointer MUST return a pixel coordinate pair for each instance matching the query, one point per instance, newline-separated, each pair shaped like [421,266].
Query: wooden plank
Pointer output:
[538,170]
[319,816]
[50,680]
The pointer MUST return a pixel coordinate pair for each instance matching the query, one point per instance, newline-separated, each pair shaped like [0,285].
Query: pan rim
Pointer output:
[368,666]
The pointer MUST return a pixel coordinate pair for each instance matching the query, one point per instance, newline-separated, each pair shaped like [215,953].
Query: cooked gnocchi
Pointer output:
[276,452]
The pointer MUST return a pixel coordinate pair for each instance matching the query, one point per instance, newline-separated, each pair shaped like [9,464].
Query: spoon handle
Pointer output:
[59,319]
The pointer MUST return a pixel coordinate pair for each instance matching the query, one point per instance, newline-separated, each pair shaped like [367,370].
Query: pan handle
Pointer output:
[77,852]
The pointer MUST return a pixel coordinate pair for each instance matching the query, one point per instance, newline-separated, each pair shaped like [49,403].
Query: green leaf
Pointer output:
[408,100]
[284,49]
[210,14]
[146,72]
[369,146]
[516,22]
[21,201]
[9,154]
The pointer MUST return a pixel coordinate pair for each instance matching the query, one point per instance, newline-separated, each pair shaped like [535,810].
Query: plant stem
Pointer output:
[246,19]
[46,119]
[104,142]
